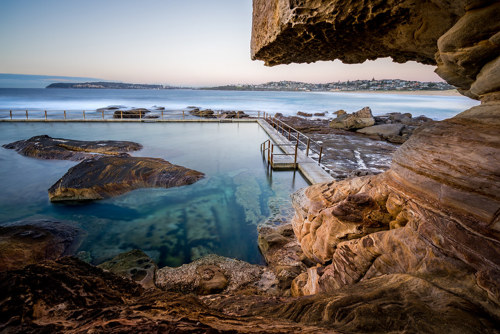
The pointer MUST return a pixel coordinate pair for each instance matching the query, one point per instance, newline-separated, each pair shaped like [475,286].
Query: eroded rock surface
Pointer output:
[135,265]
[31,241]
[216,274]
[45,147]
[103,177]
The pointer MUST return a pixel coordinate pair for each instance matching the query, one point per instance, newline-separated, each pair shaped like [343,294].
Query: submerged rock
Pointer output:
[31,241]
[216,274]
[135,265]
[357,120]
[45,147]
[103,177]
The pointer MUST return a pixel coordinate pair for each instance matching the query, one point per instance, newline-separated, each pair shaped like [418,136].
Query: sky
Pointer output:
[170,42]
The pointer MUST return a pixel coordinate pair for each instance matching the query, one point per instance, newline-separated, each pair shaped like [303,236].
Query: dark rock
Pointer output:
[31,241]
[68,295]
[135,265]
[45,147]
[383,130]
[206,113]
[132,113]
[103,177]
[320,114]
[304,114]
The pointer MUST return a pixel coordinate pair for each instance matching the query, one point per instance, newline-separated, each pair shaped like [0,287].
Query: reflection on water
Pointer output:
[218,214]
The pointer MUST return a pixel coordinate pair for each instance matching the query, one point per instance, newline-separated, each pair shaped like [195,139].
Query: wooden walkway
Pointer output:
[310,169]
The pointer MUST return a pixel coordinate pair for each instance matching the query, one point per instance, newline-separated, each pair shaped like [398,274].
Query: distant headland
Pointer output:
[339,86]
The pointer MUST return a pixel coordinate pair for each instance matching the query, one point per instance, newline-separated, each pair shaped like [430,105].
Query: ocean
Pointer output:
[287,103]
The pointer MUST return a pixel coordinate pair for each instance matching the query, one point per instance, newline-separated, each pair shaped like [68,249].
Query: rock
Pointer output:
[357,120]
[282,253]
[304,114]
[45,147]
[68,295]
[383,130]
[135,265]
[31,241]
[320,114]
[108,176]
[132,113]
[207,113]
[340,112]
[216,274]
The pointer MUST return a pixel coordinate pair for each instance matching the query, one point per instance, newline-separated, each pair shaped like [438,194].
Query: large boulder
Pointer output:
[45,147]
[383,130]
[131,113]
[31,241]
[108,176]
[357,120]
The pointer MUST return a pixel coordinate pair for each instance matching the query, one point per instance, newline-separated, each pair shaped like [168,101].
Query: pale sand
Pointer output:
[450,92]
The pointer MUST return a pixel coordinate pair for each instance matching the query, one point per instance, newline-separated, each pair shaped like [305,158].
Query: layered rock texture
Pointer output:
[425,234]
[45,147]
[105,176]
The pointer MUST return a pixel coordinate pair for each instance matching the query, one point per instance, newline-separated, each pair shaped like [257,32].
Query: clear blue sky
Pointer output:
[180,42]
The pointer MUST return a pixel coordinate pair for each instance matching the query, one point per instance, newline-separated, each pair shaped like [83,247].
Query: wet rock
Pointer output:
[135,265]
[45,147]
[31,241]
[217,274]
[206,113]
[103,177]
[304,114]
[320,114]
[132,113]
[357,120]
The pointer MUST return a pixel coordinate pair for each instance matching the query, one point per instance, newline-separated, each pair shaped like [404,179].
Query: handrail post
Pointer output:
[295,160]
[238,114]
[268,152]
[162,115]
[64,114]
[45,114]
[289,132]
[307,149]
[102,114]
[320,152]
[26,114]
[183,114]
[298,134]
[121,114]
[84,115]
[140,114]
[258,116]
[272,154]
[11,114]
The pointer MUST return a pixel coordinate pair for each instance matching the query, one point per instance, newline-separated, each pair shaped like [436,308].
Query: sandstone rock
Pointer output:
[320,114]
[68,295]
[383,130]
[135,265]
[45,147]
[31,241]
[357,120]
[282,253]
[217,274]
[103,177]
[132,113]
[207,113]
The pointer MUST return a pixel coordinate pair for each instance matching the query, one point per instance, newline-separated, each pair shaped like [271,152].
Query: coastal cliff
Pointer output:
[434,216]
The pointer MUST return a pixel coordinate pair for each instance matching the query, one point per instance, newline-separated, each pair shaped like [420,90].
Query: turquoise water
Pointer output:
[288,103]
[218,214]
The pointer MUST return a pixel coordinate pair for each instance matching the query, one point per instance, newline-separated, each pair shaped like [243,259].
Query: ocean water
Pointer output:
[288,103]
[218,214]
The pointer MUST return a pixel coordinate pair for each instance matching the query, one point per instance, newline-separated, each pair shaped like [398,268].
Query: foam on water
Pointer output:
[436,107]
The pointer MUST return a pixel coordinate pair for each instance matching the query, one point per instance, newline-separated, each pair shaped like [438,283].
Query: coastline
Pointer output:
[450,92]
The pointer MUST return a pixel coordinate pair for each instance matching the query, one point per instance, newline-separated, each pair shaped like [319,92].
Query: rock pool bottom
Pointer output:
[218,214]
